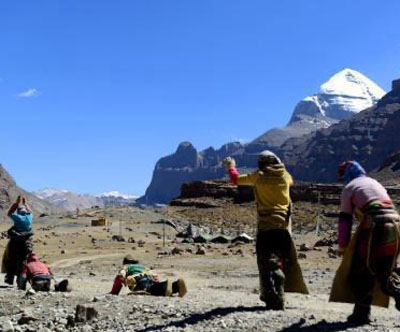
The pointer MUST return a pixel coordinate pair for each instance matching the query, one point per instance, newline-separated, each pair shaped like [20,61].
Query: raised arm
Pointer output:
[230,166]
[234,175]
[25,202]
[12,209]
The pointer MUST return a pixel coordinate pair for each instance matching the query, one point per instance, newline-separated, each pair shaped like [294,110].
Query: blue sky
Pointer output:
[93,92]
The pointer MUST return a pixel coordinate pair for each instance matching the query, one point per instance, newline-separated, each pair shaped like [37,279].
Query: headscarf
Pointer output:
[267,158]
[349,170]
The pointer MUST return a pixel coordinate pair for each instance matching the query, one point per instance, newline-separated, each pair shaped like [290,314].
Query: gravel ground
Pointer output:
[223,285]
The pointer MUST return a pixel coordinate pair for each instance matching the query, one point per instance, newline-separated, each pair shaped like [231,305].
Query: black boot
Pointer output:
[62,286]
[397,304]
[361,315]
[276,295]
[9,279]
[274,303]
[393,286]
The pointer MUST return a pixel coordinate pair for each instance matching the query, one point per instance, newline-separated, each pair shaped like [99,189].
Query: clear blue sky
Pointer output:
[93,92]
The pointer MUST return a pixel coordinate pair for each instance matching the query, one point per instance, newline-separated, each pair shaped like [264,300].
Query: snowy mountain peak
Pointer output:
[116,194]
[349,82]
[344,94]
[49,192]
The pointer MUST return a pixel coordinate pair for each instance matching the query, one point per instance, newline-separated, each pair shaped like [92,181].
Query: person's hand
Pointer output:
[229,162]
[340,251]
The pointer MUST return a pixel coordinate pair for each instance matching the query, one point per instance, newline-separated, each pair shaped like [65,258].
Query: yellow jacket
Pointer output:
[271,188]
[272,193]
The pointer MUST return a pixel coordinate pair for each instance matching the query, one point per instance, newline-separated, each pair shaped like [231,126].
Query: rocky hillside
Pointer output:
[9,191]
[369,137]
[389,171]
[343,95]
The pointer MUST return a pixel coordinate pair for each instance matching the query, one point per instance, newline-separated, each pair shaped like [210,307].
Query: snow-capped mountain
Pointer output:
[67,199]
[116,198]
[47,192]
[116,194]
[72,201]
[344,94]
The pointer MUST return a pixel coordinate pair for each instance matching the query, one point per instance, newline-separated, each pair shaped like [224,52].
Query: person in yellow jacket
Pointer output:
[276,255]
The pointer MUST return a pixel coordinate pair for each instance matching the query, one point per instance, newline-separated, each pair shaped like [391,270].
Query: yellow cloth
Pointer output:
[341,291]
[130,282]
[294,278]
[272,194]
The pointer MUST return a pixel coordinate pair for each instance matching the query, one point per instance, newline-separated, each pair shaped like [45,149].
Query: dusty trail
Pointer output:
[68,262]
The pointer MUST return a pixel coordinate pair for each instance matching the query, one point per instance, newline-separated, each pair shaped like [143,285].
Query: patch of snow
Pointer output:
[49,192]
[116,194]
[351,83]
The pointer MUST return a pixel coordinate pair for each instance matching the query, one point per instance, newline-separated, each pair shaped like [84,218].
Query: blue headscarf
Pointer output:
[353,170]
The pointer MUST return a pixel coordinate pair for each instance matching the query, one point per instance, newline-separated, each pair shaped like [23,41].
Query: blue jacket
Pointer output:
[22,223]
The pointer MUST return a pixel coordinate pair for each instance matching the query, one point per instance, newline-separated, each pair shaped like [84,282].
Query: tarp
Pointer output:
[202,238]
[221,239]
[243,238]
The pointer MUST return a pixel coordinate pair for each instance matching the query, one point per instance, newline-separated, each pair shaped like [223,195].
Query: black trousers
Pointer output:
[19,249]
[41,283]
[362,280]
[273,252]
[147,283]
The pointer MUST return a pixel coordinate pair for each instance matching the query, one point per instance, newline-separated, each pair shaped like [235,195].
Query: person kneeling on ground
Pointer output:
[39,276]
[137,278]
[276,254]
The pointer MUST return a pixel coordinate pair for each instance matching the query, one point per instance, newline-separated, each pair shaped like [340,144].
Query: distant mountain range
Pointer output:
[345,94]
[71,201]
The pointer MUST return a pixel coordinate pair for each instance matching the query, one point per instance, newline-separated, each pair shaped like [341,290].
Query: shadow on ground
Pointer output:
[322,325]
[196,318]
[193,319]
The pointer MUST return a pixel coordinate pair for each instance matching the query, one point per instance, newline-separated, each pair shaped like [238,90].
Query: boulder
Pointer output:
[85,313]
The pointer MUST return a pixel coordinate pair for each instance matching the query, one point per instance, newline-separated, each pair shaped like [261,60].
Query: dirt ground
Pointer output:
[223,283]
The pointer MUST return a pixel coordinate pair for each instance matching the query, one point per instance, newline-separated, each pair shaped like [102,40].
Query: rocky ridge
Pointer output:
[9,191]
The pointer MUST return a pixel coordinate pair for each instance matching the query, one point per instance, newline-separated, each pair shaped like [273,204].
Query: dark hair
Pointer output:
[129,260]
